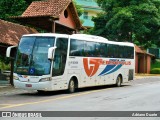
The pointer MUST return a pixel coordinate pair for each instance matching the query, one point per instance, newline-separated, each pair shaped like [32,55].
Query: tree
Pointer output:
[28,2]
[11,8]
[129,20]
[79,8]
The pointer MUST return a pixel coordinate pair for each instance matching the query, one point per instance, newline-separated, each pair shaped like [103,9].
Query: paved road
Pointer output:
[138,95]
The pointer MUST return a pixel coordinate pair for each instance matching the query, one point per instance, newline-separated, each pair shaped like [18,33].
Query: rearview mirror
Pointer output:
[11,51]
[50,52]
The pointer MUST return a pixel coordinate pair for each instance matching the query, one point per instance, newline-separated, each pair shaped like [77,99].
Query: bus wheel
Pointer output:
[119,81]
[71,86]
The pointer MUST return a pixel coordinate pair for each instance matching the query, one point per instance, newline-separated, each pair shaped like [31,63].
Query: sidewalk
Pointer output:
[5,86]
[139,76]
[4,83]
[4,80]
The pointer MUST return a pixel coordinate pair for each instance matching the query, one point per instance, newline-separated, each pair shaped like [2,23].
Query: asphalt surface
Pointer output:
[142,94]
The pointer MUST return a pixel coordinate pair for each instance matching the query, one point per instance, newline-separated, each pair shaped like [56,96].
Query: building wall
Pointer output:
[69,21]
[148,64]
[136,63]
[142,63]
[90,7]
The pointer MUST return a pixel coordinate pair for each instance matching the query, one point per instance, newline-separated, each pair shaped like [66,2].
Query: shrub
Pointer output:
[155,71]
[4,66]
[4,63]
[155,64]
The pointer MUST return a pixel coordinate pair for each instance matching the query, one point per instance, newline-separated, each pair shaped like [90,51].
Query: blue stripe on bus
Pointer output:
[115,69]
[108,68]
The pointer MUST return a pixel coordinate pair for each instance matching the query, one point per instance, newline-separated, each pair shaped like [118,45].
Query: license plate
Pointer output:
[28,85]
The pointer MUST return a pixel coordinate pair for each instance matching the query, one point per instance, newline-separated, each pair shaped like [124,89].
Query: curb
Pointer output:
[145,75]
[5,85]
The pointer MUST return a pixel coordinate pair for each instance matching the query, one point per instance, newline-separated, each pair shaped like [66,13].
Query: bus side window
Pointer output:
[76,48]
[120,51]
[89,49]
[110,51]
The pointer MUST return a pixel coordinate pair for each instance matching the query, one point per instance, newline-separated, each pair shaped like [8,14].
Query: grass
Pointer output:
[155,67]
[155,64]
[4,66]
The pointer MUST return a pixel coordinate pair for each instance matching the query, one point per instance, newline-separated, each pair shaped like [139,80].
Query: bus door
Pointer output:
[59,63]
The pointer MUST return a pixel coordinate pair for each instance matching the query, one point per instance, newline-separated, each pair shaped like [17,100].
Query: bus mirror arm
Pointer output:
[50,52]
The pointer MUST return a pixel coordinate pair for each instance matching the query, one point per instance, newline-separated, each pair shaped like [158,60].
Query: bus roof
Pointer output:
[82,37]
[98,39]
[48,35]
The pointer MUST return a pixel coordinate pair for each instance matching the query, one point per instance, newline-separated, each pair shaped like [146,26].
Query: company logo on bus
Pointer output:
[92,65]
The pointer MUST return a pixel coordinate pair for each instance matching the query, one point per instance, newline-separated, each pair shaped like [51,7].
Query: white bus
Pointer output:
[49,62]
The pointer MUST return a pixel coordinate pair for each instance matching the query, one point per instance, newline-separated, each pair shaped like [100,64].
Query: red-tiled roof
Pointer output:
[11,33]
[46,8]
[50,8]
[138,49]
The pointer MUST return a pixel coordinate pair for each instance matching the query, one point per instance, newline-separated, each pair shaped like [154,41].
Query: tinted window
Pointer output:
[60,56]
[95,49]
[76,48]
[110,50]
[89,49]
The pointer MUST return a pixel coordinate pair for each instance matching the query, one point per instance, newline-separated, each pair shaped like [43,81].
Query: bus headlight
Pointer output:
[15,78]
[45,79]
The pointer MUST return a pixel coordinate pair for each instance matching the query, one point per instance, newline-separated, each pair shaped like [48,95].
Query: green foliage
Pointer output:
[155,64]
[155,71]
[4,59]
[10,8]
[28,2]
[4,66]
[79,8]
[4,63]
[155,67]
[129,20]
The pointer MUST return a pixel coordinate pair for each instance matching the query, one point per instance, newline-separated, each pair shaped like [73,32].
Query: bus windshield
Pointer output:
[32,56]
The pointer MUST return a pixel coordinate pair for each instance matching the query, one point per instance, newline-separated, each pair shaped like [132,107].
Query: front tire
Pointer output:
[119,81]
[71,86]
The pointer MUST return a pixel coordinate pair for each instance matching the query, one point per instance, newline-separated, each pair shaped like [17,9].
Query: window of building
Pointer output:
[65,13]
[85,15]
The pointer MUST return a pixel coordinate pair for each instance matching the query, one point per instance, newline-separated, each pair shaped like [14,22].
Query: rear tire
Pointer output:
[71,86]
[119,81]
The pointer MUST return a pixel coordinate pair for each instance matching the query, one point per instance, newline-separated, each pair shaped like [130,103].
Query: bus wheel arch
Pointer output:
[119,80]
[73,84]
